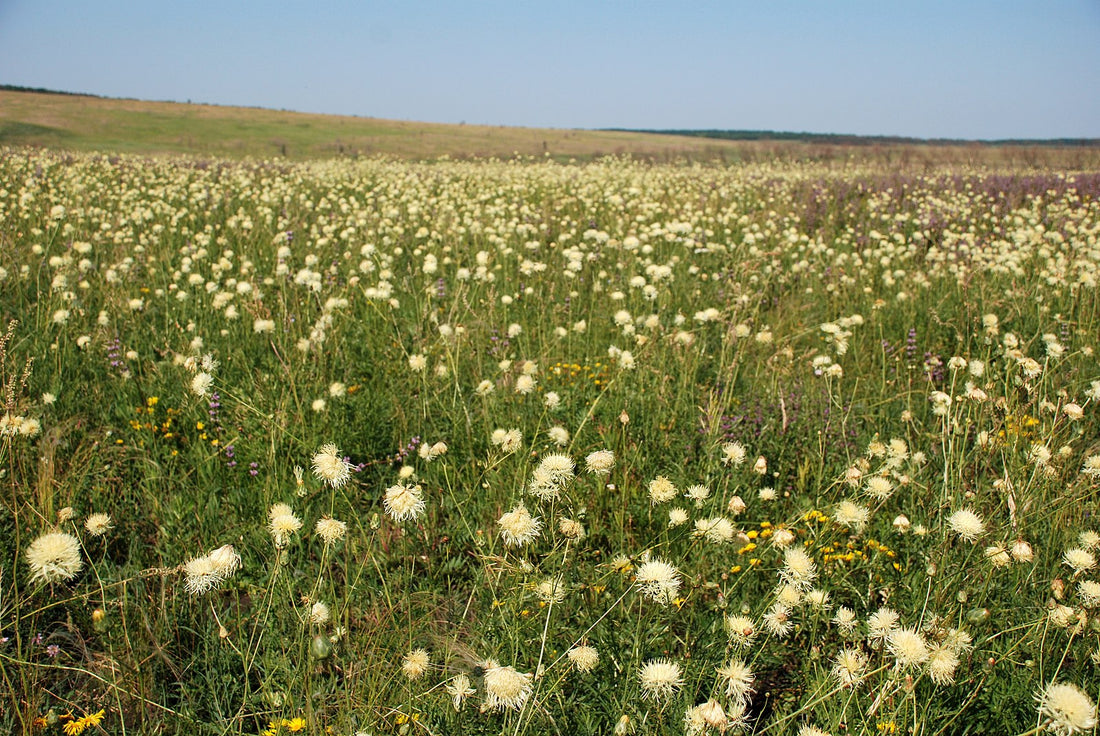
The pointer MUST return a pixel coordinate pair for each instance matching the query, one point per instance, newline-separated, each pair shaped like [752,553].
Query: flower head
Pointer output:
[600,462]
[415,663]
[331,467]
[1067,707]
[207,572]
[584,657]
[738,677]
[282,523]
[54,557]
[98,524]
[907,646]
[1080,560]
[518,527]
[505,688]
[459,689]
[661,490]
[968,525]
[658,580]
[404,501]
[660,678]
[330,530]
[799,569]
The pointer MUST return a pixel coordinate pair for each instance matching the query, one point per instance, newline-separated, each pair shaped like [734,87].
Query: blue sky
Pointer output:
[961,69]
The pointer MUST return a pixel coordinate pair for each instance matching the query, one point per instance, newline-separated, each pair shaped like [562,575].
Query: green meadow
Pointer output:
[709,439]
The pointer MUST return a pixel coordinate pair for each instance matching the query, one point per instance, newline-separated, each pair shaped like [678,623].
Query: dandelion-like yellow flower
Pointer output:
[79,725]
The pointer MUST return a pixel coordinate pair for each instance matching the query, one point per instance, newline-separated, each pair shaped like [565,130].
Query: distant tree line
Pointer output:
[858,140]
[42,90]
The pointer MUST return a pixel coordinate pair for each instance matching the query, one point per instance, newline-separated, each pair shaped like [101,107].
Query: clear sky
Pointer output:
[923,68]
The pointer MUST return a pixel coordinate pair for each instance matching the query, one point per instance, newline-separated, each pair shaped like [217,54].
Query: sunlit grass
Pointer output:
[523,447]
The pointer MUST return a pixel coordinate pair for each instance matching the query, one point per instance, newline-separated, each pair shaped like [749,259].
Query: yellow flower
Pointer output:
[78,726]
[294,725]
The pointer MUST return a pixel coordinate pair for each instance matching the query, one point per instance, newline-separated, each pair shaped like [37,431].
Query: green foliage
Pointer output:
[313,399]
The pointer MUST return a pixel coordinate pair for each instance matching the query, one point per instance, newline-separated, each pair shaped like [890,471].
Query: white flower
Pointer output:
[1067,707]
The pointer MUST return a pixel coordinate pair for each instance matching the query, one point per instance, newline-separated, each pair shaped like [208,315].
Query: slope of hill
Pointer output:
[46,118]
[80,122]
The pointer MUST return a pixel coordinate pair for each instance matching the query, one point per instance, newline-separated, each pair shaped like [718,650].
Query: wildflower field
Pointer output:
[531,447]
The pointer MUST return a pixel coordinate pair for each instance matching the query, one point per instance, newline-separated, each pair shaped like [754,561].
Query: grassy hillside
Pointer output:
[86,123]
[93,123]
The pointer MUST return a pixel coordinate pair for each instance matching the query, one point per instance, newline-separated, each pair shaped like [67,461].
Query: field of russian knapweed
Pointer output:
[527,448]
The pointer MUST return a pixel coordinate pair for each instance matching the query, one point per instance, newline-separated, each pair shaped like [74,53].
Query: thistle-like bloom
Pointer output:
[415,663]
[1089,594]
[584,658]
[207,572]
[808,730]
[98,524]
[849,666]
[331,467]
[658,580]
[941,665]
[459,689]
[738,677]
[878,487]
[908,647]
[881,623]
[778,620]
[845,620]
[404,502]
[799,569]
[718,530]
[661,490]
[711,717]
[550,590]
[1079,560]
[282,523]
[660,678]
[319,613]
[600,462]
[1091,468]
[1067,707]
[508,440]
[505,688]
[733,453]
[54,557]
[201,384]
[330,530]
[518,527]
[851,514]
[968,525]
[741,630]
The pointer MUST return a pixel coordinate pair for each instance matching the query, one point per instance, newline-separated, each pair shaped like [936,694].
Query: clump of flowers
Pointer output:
[205,573]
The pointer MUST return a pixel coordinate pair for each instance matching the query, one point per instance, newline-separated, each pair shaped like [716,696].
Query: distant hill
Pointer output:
[66,120]
[39,117]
